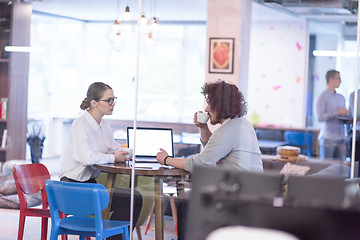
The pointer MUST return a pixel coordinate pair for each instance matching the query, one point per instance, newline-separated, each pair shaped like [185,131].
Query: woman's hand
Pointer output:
[160,156]
[120,156]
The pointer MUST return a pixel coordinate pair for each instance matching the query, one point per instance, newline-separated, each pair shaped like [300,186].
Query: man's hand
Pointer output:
[160,156]
[343,111]
[198,124]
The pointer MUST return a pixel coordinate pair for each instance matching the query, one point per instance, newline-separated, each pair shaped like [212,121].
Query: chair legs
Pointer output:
[173,212]
[149,220]
[64,237]
[138,232]
[21,225]
[44,227]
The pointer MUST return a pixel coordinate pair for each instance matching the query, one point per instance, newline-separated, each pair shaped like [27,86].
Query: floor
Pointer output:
[9,227]
[10,217]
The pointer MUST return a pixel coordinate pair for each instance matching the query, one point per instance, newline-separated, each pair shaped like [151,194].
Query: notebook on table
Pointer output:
[149,141]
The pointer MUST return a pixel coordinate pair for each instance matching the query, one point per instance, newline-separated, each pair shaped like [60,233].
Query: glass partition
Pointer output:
[286,77]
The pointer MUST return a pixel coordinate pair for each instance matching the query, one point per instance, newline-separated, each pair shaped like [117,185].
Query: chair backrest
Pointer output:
[300,139]
[29,179]
[265,134]
[77,199]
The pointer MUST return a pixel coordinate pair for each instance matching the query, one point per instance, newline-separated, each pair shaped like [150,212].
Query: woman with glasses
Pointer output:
[91,141]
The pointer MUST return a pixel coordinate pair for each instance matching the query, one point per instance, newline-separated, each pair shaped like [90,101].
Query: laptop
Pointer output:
[149,141]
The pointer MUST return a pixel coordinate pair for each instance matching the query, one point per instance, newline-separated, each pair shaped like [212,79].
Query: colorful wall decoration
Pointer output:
[277,73]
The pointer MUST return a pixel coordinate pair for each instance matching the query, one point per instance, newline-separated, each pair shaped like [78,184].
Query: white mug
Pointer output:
[202,117]
[129,150]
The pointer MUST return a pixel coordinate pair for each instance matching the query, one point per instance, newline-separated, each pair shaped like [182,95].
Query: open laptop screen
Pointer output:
[150,140]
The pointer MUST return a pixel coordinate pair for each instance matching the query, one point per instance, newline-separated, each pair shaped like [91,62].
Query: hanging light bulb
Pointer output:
[127,15]
[153,23]
[153,20]
[150,39]
[142,19]
[115,37]
[115,28]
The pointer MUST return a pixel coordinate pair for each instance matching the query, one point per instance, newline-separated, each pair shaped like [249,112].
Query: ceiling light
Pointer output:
[142,19]
[114,34]
[127,15]
[324,53]
[116,27]
[150,40]
[24,49]
[154,23]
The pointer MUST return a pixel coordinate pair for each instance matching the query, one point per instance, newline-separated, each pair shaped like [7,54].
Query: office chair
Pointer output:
[30,179]
[79,201]
[265,134]
[300,139]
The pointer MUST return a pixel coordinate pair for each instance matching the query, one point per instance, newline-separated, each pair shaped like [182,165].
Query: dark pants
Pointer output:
[182,206]
[120,204]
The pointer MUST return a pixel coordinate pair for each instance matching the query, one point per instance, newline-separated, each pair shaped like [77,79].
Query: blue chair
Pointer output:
[300,139]
[79,201]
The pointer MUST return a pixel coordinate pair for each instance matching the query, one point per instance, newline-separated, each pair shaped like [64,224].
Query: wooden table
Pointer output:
[154,170]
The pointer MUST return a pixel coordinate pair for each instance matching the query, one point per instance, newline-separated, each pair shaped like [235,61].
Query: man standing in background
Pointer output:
[329,106]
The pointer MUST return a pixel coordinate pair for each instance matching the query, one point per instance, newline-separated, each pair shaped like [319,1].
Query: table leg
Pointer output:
[159,216]
[180,189]
[110,181]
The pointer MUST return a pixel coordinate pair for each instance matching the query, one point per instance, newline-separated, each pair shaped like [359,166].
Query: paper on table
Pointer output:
[292,169]
[143,165]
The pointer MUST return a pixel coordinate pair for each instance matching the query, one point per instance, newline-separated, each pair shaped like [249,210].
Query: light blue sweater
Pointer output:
[233,145]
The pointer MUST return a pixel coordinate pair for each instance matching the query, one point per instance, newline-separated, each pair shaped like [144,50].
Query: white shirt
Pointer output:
[89,143]
[233,145]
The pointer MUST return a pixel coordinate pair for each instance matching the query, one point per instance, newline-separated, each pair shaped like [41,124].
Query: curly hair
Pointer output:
[225,99]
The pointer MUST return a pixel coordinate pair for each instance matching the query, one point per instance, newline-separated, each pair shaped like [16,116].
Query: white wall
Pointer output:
[231,19]
[271,57]
[278,72]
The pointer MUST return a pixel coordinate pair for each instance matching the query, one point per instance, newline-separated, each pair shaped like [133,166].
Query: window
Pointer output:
[171,73]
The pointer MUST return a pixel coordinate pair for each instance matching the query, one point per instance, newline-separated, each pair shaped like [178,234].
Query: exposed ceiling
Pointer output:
[318,10]
[108,10]
[196,10]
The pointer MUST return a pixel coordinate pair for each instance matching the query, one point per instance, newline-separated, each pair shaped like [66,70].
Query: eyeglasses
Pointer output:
[110,101]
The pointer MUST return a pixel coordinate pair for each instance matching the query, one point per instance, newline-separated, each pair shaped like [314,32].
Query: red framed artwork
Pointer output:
[221,55]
